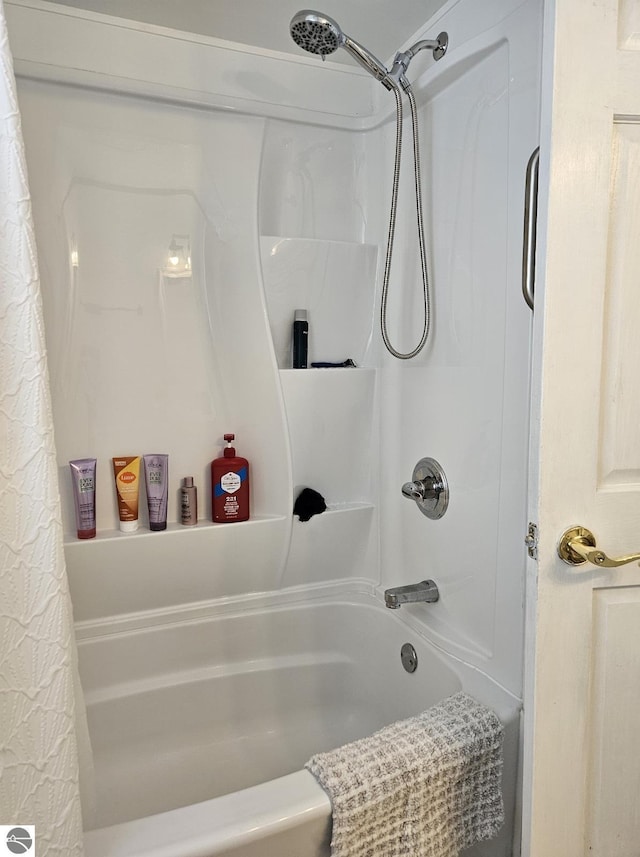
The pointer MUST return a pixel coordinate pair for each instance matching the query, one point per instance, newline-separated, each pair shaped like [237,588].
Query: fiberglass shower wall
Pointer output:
[464,400]
[142,360]
[289,189]
[146,359]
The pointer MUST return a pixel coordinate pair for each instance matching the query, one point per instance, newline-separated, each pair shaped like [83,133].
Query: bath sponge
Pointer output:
[308,504]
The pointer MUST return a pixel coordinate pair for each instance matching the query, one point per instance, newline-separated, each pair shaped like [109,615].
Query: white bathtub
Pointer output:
[201,727]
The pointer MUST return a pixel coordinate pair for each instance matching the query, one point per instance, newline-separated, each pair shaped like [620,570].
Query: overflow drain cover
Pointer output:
[409,658]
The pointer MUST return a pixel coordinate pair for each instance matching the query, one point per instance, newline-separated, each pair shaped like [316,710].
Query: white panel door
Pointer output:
[582,757]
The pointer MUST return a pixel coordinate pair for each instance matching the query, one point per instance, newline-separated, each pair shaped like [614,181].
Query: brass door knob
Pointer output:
[578,545]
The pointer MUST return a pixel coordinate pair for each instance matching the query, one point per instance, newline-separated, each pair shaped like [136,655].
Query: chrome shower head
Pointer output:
[315,32]
[319,34]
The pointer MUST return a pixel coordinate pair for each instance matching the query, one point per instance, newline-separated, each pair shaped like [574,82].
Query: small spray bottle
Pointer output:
[188,503]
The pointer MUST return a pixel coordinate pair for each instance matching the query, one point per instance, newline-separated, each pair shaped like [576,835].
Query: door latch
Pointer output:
[531,540]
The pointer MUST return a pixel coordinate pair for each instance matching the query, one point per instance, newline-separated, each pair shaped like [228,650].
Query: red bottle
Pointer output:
[230,486]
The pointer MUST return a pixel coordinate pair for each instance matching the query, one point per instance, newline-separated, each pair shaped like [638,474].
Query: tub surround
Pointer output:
[281,193]
[280,213]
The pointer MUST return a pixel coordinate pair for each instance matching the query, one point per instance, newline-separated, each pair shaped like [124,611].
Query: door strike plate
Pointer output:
[531,541]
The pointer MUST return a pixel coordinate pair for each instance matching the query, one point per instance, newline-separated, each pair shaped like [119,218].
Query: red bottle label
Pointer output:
[230,485]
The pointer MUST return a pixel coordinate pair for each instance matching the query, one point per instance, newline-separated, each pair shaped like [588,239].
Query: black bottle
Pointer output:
[300,339]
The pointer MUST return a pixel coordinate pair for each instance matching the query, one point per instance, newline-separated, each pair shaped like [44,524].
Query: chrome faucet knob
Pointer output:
[413,490]
[429,488]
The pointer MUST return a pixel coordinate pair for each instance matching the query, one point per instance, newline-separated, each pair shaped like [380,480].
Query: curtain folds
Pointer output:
[39,782]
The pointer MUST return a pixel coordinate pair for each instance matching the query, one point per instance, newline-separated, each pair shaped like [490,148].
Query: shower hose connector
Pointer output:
[438,47]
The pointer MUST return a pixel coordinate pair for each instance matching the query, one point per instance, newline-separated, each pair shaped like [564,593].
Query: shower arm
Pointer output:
[396,76]
[403,58]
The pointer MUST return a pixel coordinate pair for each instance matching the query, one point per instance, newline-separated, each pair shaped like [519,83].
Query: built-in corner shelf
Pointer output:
[330,417]
[336,545]
[334,281]
[329,411]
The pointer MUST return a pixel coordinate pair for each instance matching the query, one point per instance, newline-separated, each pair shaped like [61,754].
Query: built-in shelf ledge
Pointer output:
[341,508]
[118,573]
[172,529]
[330,371]
[273,241]
[347,375]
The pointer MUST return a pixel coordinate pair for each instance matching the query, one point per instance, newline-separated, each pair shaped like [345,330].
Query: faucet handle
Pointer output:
[413,490]
[429,488]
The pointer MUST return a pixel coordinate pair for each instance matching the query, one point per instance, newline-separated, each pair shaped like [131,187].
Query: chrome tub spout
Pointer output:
[426,591]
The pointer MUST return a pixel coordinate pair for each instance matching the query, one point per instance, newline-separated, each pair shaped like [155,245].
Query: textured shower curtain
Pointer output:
[38,748]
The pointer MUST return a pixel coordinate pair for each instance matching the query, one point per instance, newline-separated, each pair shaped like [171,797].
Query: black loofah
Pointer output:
[308,504]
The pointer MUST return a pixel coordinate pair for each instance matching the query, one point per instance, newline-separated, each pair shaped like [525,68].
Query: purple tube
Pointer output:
[83,474]
[155,476]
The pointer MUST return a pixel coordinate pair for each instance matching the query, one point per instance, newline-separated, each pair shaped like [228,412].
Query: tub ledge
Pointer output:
[285,815]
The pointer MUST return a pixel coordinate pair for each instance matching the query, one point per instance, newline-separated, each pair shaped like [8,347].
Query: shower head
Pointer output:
[315,33]
[319,34]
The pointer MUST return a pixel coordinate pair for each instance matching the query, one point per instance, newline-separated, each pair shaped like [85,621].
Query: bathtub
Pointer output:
[201,726]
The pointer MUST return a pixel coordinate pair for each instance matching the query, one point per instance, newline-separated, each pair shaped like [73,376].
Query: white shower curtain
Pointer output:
[38,748]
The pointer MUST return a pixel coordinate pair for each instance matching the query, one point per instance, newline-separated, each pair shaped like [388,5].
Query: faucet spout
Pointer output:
[426,591]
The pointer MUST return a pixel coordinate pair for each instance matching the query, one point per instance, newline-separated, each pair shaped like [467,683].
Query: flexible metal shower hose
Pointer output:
[392,228]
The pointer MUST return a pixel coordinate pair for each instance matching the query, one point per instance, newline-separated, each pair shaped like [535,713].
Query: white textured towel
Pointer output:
[428,786]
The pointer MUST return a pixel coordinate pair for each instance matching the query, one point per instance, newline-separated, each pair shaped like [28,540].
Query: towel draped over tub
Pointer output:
[428,786]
